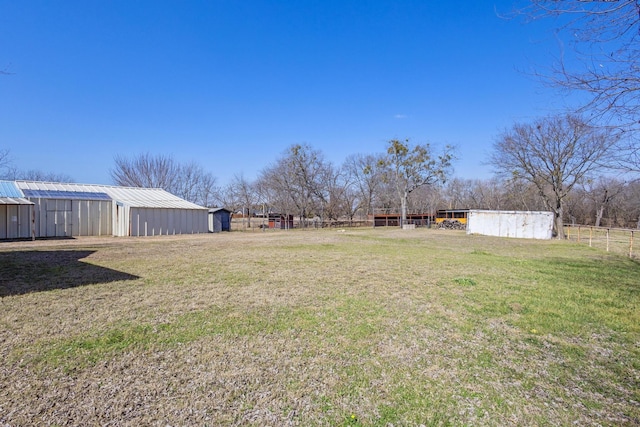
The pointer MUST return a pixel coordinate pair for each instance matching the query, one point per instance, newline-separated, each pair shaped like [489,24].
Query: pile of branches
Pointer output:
[452,224]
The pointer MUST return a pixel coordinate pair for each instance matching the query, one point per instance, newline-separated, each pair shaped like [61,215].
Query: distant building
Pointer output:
[276,220]
[460,215]
[393,220]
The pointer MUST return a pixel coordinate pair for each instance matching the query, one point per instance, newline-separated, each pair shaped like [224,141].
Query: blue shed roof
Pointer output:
[10,189]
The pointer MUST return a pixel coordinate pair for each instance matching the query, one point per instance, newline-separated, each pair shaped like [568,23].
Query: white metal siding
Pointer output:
[66,218]
[156,222]
[15,221]
[121,223]
[91,218]
[518,224]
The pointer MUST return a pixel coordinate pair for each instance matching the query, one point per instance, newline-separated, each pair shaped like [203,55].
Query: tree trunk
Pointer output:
[599,214]
[559,226]
[403,218]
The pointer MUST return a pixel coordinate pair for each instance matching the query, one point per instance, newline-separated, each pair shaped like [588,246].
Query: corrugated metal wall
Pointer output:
[15,221]
[518,224]
[158,221]
[67,218]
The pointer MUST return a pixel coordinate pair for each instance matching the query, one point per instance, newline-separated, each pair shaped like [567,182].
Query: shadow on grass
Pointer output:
[22,272]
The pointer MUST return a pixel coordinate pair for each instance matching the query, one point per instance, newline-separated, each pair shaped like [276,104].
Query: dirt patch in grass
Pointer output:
[363,327]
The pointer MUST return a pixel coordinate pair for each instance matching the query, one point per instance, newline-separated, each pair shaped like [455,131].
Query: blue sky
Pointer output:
[232,84]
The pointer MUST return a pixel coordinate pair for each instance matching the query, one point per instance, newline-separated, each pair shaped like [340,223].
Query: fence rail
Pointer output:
[617,240]
[258,224]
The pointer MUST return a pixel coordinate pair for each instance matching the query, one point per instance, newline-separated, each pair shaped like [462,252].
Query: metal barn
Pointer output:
[155,212]
[67,210]
[16,213]
[219,220]
[64,210]
[518,224]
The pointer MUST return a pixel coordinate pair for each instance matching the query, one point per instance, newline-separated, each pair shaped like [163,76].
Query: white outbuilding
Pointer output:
[518,224]
[16,213]
[69,210]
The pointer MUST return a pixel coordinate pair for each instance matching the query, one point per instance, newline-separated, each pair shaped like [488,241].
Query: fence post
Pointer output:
[578,234]
[607,240]
[631,245]
[590,235]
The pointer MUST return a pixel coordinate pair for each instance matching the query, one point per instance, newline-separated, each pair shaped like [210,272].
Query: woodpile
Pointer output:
[452,224]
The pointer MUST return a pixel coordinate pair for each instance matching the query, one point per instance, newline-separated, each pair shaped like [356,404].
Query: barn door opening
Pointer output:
[59,218]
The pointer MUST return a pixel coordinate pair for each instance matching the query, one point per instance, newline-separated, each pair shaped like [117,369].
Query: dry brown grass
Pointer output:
[312,327]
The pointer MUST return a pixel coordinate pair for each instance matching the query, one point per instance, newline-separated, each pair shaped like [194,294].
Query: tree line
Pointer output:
[558,163]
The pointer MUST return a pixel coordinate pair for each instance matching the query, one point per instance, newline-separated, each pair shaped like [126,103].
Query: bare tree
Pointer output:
[604,55]
[194,184]
[486,194]
[9,171]
[626,211]
[412,167]
[146,171]
[36,175]
[365,173]
[554,154]
[5,162]
[350,201]
[244,195]
[519,193]
[297,182]
[273,189]
[601,192]
[426,199]
[188,181]
[474,194]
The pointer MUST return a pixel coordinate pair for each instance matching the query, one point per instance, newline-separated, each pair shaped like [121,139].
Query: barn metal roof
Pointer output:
[10,194]
[129,196]
[10,189]
[14,201]
[68,195]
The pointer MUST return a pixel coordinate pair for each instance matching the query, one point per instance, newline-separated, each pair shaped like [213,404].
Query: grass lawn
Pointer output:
[318,328]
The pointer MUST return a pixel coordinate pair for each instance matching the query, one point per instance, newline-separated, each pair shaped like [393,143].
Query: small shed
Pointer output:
[219,220]
[16,213]
[518,224]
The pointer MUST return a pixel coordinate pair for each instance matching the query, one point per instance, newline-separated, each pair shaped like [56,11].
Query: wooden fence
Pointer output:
[258,224]
[618,240]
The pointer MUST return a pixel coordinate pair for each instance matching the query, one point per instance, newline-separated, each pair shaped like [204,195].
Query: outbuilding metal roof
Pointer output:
[129,196]
[10,189]
[14,201]
[68,195]
[10,194]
